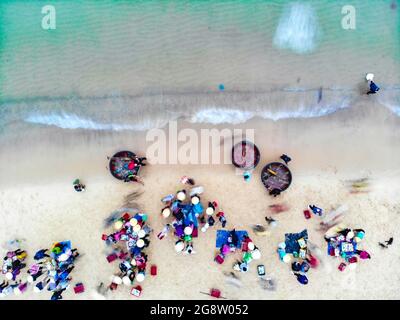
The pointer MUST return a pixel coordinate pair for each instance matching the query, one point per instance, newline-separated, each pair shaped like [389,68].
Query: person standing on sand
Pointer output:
[187,180]
[315,210]
[41,254]
[139,161]
[78,186]
[275,192]
[373,88]
[286,158]
[247,176]
[133,178]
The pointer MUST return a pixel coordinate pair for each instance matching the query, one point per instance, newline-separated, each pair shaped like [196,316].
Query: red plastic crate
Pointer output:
[307,214]
[79,288]
[111,257]
[153,270]
[215,293]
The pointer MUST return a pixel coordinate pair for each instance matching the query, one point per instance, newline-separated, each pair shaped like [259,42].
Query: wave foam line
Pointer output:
[72,121]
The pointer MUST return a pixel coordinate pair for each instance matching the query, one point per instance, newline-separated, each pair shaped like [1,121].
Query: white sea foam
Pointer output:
[210,115]
[72,121]
[216,115]
[298,28]
[234,116]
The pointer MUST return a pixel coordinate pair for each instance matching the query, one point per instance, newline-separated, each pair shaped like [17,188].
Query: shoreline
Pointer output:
[326,152]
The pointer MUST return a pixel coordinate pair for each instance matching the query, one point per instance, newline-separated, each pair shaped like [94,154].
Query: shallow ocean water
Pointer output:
[134,65]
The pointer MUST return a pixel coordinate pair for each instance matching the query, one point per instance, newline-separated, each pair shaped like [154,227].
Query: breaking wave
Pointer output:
[298,28]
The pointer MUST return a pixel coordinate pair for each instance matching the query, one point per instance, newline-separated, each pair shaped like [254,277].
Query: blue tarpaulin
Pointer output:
[291,241]
[222,237]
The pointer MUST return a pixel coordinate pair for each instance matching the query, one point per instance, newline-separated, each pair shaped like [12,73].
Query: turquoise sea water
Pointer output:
[110,62]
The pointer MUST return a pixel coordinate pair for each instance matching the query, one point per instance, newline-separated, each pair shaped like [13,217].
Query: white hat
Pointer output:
[133,262]
[181,195]
[166,212]
[140,243]
[286,258]
[139,276]
[251,246]
[29,279]
[210,211]
[117,280]
[137,228]
[133,222]
[179,246]
[195,200]
[63,257]
[118,225]
[141,233]
[350,235]
[256,254]
[369,76]
[188,230]
[9,276]
[126,281]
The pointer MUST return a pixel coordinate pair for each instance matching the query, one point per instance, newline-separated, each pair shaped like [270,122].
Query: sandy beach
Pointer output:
[38,203]
[293,74]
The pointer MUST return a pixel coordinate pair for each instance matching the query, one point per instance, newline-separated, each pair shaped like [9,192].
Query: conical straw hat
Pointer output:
[141,233]
[256,254]
[210,211]
[140,243]
[140,277]
[369,76]
[195,200]
[181,195]
[117,280]
[179,246]
[126,281]
[251,246]
[166,212]
[118,225]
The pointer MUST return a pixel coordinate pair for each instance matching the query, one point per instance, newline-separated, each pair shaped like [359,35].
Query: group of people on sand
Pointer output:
[13,263]
[188,215]
[128,243]
[133,165]
[50,271]
[236,241]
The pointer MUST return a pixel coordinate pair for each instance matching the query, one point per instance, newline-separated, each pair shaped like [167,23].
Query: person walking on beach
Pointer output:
[187,180]
[315,210]
[139,161]
[247,176]
[286,158]
[41,254]
[221,218]
[79,187]
[275,192]
[373,88]
[133,178]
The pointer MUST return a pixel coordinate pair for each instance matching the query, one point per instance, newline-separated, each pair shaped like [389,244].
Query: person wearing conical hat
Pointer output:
[221,218]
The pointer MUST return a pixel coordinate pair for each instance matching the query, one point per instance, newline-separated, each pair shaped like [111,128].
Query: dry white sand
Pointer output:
[38,203]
